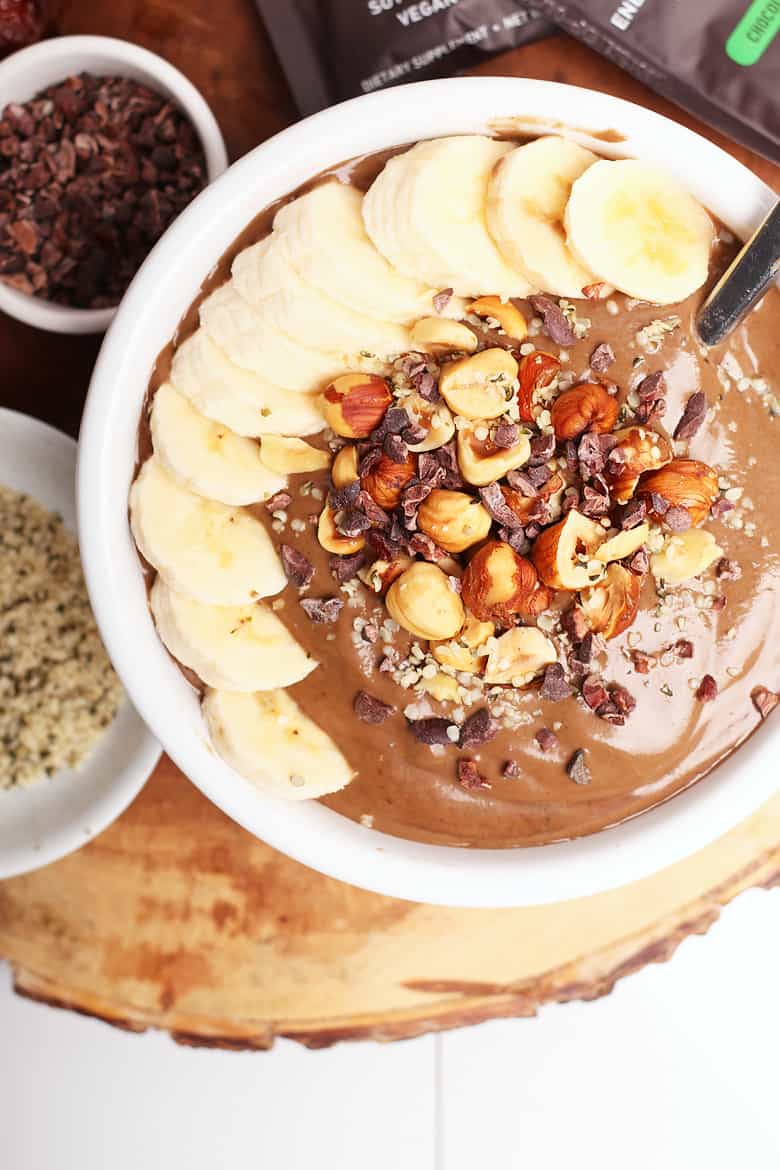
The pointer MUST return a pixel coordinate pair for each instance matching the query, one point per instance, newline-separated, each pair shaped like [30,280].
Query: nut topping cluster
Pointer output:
[508,518]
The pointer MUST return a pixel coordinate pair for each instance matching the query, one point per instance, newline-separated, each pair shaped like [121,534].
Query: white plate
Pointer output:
[45,821]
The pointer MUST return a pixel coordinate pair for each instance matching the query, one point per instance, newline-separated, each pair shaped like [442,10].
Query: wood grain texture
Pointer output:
[175,918]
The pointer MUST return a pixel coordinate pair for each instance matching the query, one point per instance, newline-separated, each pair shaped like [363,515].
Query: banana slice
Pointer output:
[238,399]
[205,456]
[266,279]
[208,551]
[425,213]
[268,739]
[249,341]
[527,197]
[640,230]
[231,647]
[325,241]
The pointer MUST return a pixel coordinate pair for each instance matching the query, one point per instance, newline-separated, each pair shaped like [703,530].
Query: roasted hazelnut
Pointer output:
[518,656]
[639,449]
[482,462]
[537,371]
[439,335]
[565,553]
[685,555]
[459,653]
[623,544]
[584,407]
[523,506]
[345,467]
[508,316]
[386,480]
[423,602]
[683,483]
[437,420]
[480,386]
[354,404]
[454,520]
[332,540]
[379,575]
[499,584]
[611,606]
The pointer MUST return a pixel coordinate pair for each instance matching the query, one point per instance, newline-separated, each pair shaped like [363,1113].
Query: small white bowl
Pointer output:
[27,72]
[160,294]
[46,820]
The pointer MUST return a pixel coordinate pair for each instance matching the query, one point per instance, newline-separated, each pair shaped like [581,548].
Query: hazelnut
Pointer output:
[345,467]
[518,656]
[480,386]
[564,554]
[459,653]
[379,575]
[454,520]
[442,687]
[585,407]
[685,555]
[499,584]
[611,606]
[291,456]
[440,335]
[438,421]
[481,462]
[423,602]
[386,480]
[508,316]
[523,506]
[332,540]
[354,404]
[683,483]
[537,371]
[641,450]
[623,544]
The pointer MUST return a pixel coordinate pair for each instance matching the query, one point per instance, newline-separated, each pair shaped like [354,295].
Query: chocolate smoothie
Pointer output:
[722,627]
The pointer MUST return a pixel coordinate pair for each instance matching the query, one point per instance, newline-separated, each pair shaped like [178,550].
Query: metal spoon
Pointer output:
[754,269]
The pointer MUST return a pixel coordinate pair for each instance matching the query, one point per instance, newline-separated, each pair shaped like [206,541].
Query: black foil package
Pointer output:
[336,49]
[720,59]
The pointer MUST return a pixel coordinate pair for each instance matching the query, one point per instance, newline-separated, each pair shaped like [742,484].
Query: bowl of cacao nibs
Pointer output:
[102,145]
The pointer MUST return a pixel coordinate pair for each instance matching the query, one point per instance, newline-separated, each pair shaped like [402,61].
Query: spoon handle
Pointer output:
[753,270]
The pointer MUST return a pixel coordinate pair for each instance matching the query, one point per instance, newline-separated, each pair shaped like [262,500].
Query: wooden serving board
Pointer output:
[175,917]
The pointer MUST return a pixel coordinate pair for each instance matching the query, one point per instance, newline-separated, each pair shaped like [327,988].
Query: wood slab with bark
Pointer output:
[176,918]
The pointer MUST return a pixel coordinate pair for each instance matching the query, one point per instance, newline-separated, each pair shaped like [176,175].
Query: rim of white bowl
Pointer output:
[162,290]
[56,818]
[57,59]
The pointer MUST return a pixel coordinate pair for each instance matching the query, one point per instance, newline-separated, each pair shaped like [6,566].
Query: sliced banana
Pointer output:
[205,456]
[326,242]
[251,342]
[206,550]
[640,230]
[527,197]
[237,398]
[231,647]
[267,280]
[425,213]
[268,739]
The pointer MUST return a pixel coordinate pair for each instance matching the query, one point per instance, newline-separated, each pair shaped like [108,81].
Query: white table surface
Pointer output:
[675,1070]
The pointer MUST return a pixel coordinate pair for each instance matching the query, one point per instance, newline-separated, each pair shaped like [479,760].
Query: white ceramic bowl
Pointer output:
[28,71]
[40,823]
[146,320]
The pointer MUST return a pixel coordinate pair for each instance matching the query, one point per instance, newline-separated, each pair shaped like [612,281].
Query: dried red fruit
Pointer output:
[707,689]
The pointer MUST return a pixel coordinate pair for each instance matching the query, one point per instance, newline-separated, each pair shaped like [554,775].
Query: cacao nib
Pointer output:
[426,386]
[547,740]
[369,459]
[677,519]
[323,609]
[479,728]
[583,652]
[764,700]
[520,481]
[298,568]
[511,770]
[413,434]
[642,661]
[602,357]
[594,503]
[345,497]
[430,470]
[506,435]
[640,562]
[610,713]
[683,648]
[554,686]
[516,540]
[369,709]
[707,689]
[542,448]
[432,731]
[428,549]
[720,508]
[577,768]
[652,393]
[623,699]
[396,420]
[659,504]
[538,474]
[376,516]
[632,514]
[278,502]
[555,324]
[383,545]
[345,568]
[395,449]
[493,499]
[574,623]
[728,570]
[442,299]
[593,452]
[692,417]
[351,522]
[470,777]
[594,692]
